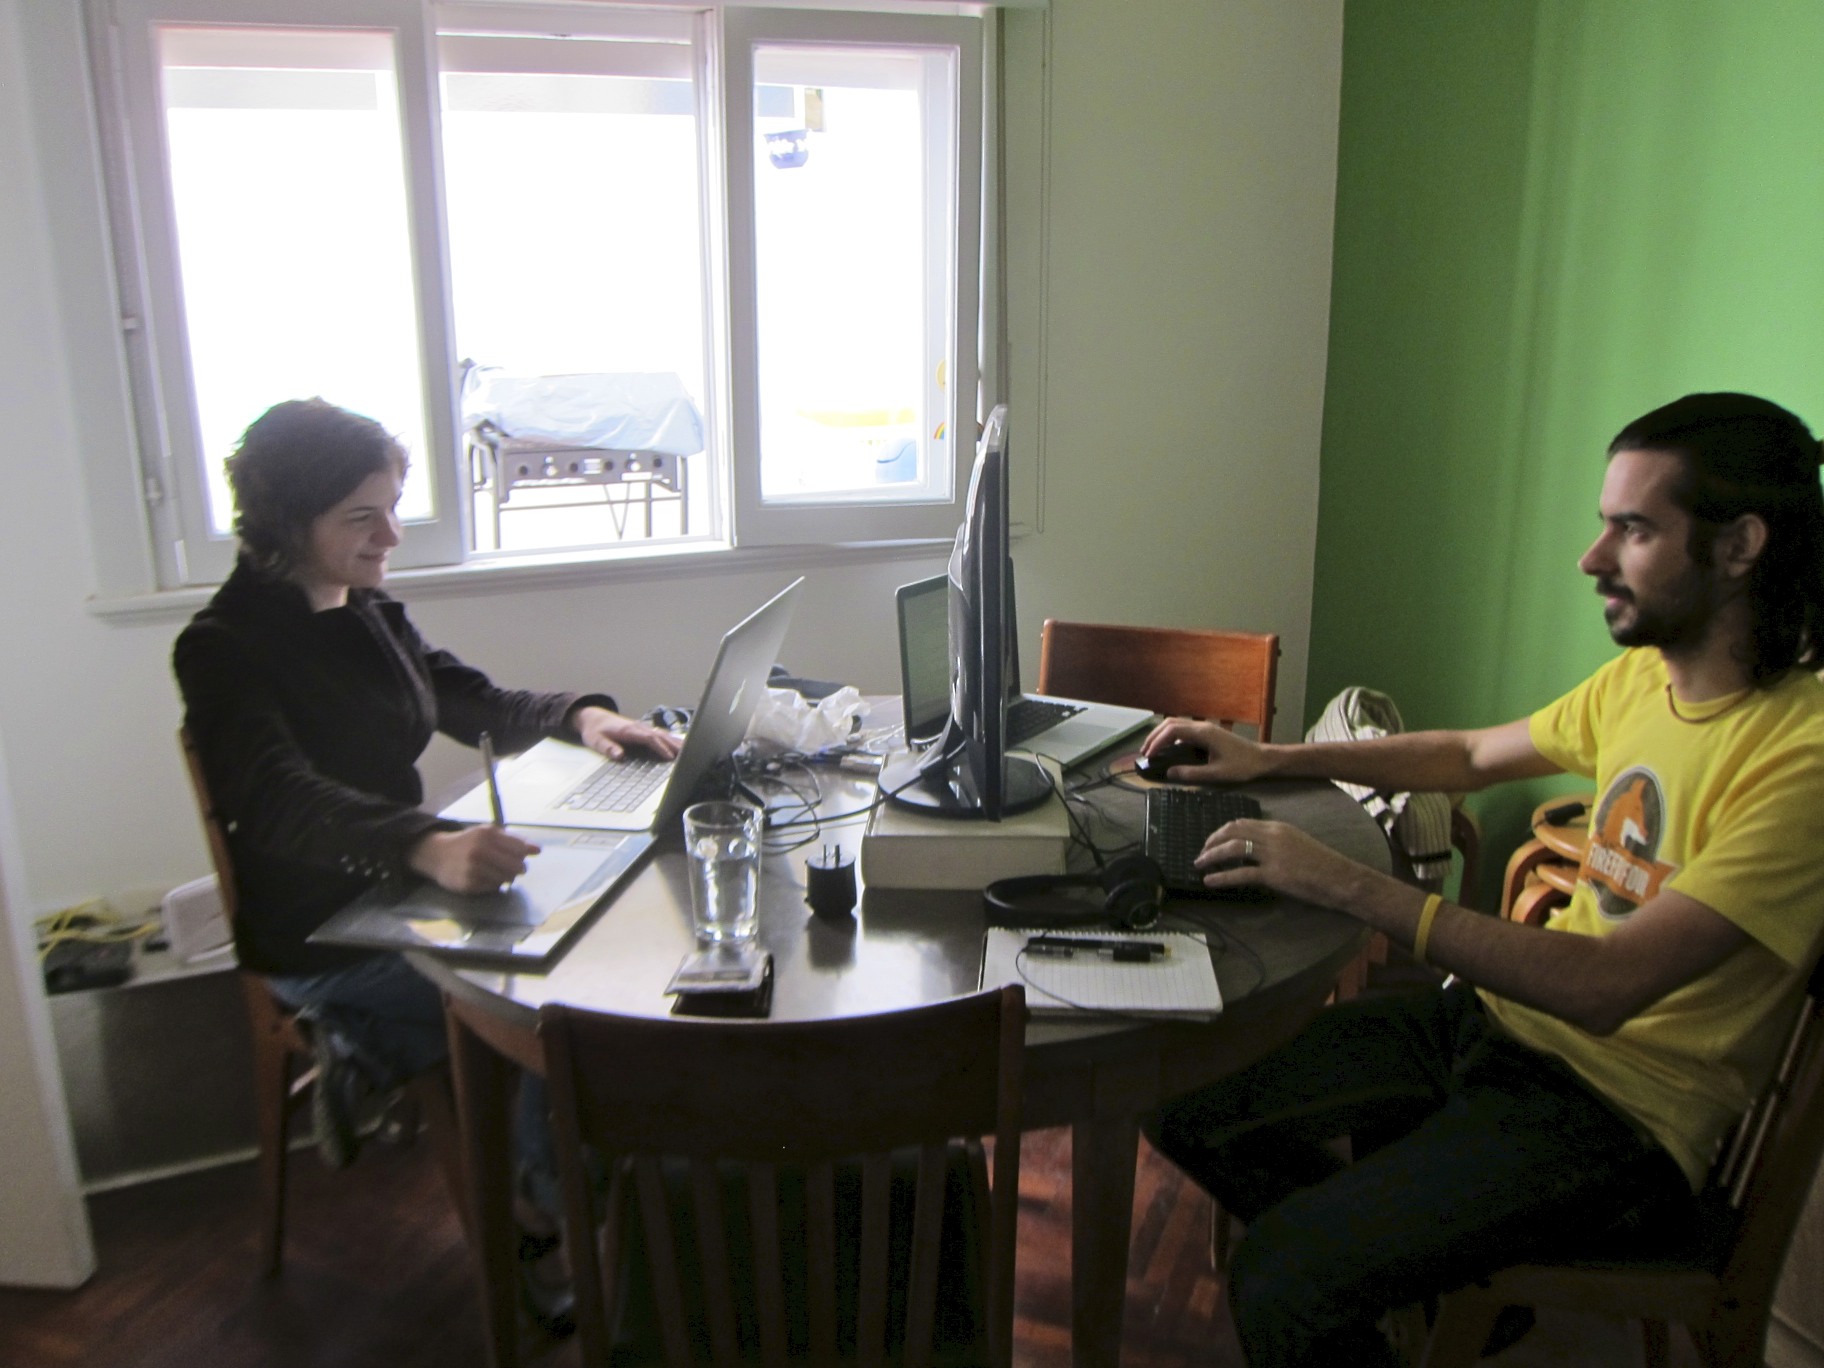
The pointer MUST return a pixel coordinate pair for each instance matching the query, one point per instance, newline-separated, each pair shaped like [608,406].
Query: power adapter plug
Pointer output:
[829,883]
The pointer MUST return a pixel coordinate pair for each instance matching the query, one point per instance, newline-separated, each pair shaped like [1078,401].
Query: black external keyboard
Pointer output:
[1179,820]
[1027,717]
[617,786]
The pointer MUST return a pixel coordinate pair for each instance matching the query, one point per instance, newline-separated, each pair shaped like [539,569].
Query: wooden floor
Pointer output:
[376,1277]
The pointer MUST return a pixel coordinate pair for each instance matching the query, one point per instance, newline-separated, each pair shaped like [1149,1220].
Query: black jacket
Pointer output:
[310,726]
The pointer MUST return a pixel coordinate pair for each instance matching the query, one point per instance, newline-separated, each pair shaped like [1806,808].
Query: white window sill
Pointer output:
[506,574]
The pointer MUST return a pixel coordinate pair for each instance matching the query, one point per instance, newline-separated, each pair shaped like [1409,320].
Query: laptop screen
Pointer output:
[924,655]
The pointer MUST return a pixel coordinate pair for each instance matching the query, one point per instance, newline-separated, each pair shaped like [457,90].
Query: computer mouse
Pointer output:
[1154,766]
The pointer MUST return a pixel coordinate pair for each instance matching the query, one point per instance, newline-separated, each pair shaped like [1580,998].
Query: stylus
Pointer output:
[487,759]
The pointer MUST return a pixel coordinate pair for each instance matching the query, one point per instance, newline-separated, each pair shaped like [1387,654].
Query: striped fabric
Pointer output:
[1418,822]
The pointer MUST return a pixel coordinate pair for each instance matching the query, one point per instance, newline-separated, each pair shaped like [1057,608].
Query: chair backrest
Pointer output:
[212,824]
[688,1113]
[1225,677]
[1767,1167]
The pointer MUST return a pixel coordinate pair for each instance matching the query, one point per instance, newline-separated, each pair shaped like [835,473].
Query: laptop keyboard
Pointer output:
[1027,717]
[1179,820]
[617,786]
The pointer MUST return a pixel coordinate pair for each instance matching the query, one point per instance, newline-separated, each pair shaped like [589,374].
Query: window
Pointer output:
[612,274]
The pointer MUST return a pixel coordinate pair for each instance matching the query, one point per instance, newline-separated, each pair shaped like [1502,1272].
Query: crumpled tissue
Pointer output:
[788,721]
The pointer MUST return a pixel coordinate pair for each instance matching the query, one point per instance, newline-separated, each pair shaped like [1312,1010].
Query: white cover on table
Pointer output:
[625,411]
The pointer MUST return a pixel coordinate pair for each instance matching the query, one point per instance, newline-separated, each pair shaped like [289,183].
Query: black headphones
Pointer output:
[1133,891]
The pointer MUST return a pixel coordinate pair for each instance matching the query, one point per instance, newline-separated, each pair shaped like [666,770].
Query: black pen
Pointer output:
[1126,950]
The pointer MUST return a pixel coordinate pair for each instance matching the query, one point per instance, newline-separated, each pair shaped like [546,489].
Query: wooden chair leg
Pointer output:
[1407,1332]
[436,1098]
[1655,1344]
[272,1106]
[1222,1237]
[1735,1335]
[1461,1329]
[1466,837]
[1353,978]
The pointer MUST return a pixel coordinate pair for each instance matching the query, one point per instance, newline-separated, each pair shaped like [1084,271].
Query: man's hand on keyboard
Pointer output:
[1278,856]
[611,734]
[1232,759]
[477,859]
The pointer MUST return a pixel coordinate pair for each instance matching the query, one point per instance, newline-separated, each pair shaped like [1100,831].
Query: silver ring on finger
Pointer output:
[1247,849]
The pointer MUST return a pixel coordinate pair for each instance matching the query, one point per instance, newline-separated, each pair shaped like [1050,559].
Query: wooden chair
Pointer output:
[283,1063]
[1542,872]
[1721,1284]
[704,1126]
[1225,677]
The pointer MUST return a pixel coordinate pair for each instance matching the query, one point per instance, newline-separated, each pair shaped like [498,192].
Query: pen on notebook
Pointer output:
[1125,950]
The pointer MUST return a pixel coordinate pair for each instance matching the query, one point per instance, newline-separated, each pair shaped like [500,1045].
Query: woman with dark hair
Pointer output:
[309,697]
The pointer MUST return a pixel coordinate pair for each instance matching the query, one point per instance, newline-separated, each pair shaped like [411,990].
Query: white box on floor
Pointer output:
[195,923]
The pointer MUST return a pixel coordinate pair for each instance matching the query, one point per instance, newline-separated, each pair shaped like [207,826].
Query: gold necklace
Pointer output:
[1672,703]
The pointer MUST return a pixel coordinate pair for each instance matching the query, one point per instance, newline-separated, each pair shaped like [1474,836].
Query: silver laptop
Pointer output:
[561,784]
[1067,730]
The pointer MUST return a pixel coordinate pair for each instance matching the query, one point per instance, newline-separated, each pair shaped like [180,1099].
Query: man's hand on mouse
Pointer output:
[1232,759]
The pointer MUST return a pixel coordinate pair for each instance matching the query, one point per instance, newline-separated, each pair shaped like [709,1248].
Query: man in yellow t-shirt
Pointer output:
[1578,1076]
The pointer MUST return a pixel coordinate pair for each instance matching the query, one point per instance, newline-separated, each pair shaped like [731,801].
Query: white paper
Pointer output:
[1180,984]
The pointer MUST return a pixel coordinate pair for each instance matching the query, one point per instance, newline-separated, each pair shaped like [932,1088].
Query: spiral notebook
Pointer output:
[1179,983]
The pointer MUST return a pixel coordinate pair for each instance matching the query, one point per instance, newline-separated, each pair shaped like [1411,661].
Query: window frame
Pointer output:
[166,404]
[873,519]
[125,82]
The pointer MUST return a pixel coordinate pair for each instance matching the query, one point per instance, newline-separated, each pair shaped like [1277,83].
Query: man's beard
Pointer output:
[1677,619]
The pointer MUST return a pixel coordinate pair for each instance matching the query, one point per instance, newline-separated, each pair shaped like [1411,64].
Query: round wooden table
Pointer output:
[1276,962]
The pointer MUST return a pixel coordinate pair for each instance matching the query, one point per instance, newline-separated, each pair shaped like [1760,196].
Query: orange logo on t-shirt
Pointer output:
[1625,836]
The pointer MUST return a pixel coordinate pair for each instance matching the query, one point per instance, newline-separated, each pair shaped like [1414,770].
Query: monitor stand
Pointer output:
[906,781]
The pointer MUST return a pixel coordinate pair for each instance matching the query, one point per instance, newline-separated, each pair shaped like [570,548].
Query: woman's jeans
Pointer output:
[388,1018]
[1472,1152]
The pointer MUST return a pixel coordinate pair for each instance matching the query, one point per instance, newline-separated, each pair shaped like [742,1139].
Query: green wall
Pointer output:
[1551,217]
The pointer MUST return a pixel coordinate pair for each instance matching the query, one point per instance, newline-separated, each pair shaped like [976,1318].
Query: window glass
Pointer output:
[613,273]
[854,269]
[288,201]
[573,191]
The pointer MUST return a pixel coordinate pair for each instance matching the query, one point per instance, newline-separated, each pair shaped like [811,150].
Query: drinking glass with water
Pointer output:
[723,841]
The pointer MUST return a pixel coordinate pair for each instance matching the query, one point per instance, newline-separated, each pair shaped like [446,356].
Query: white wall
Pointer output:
[1171,172]
[44,1228]
[44,1236]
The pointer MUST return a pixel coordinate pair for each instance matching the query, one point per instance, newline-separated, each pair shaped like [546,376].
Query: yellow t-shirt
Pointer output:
[1725,804]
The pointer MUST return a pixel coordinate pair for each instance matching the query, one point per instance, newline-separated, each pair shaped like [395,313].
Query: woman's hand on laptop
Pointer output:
[1230,759]
[611,734]
[477,859]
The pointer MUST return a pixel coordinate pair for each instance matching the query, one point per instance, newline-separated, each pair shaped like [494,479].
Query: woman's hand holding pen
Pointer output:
[611,734]
[477,859]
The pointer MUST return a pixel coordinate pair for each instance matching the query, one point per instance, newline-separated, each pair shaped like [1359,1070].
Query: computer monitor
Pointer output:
[967,772]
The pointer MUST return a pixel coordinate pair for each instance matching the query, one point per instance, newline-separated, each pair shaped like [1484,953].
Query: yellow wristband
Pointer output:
[1423,934]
